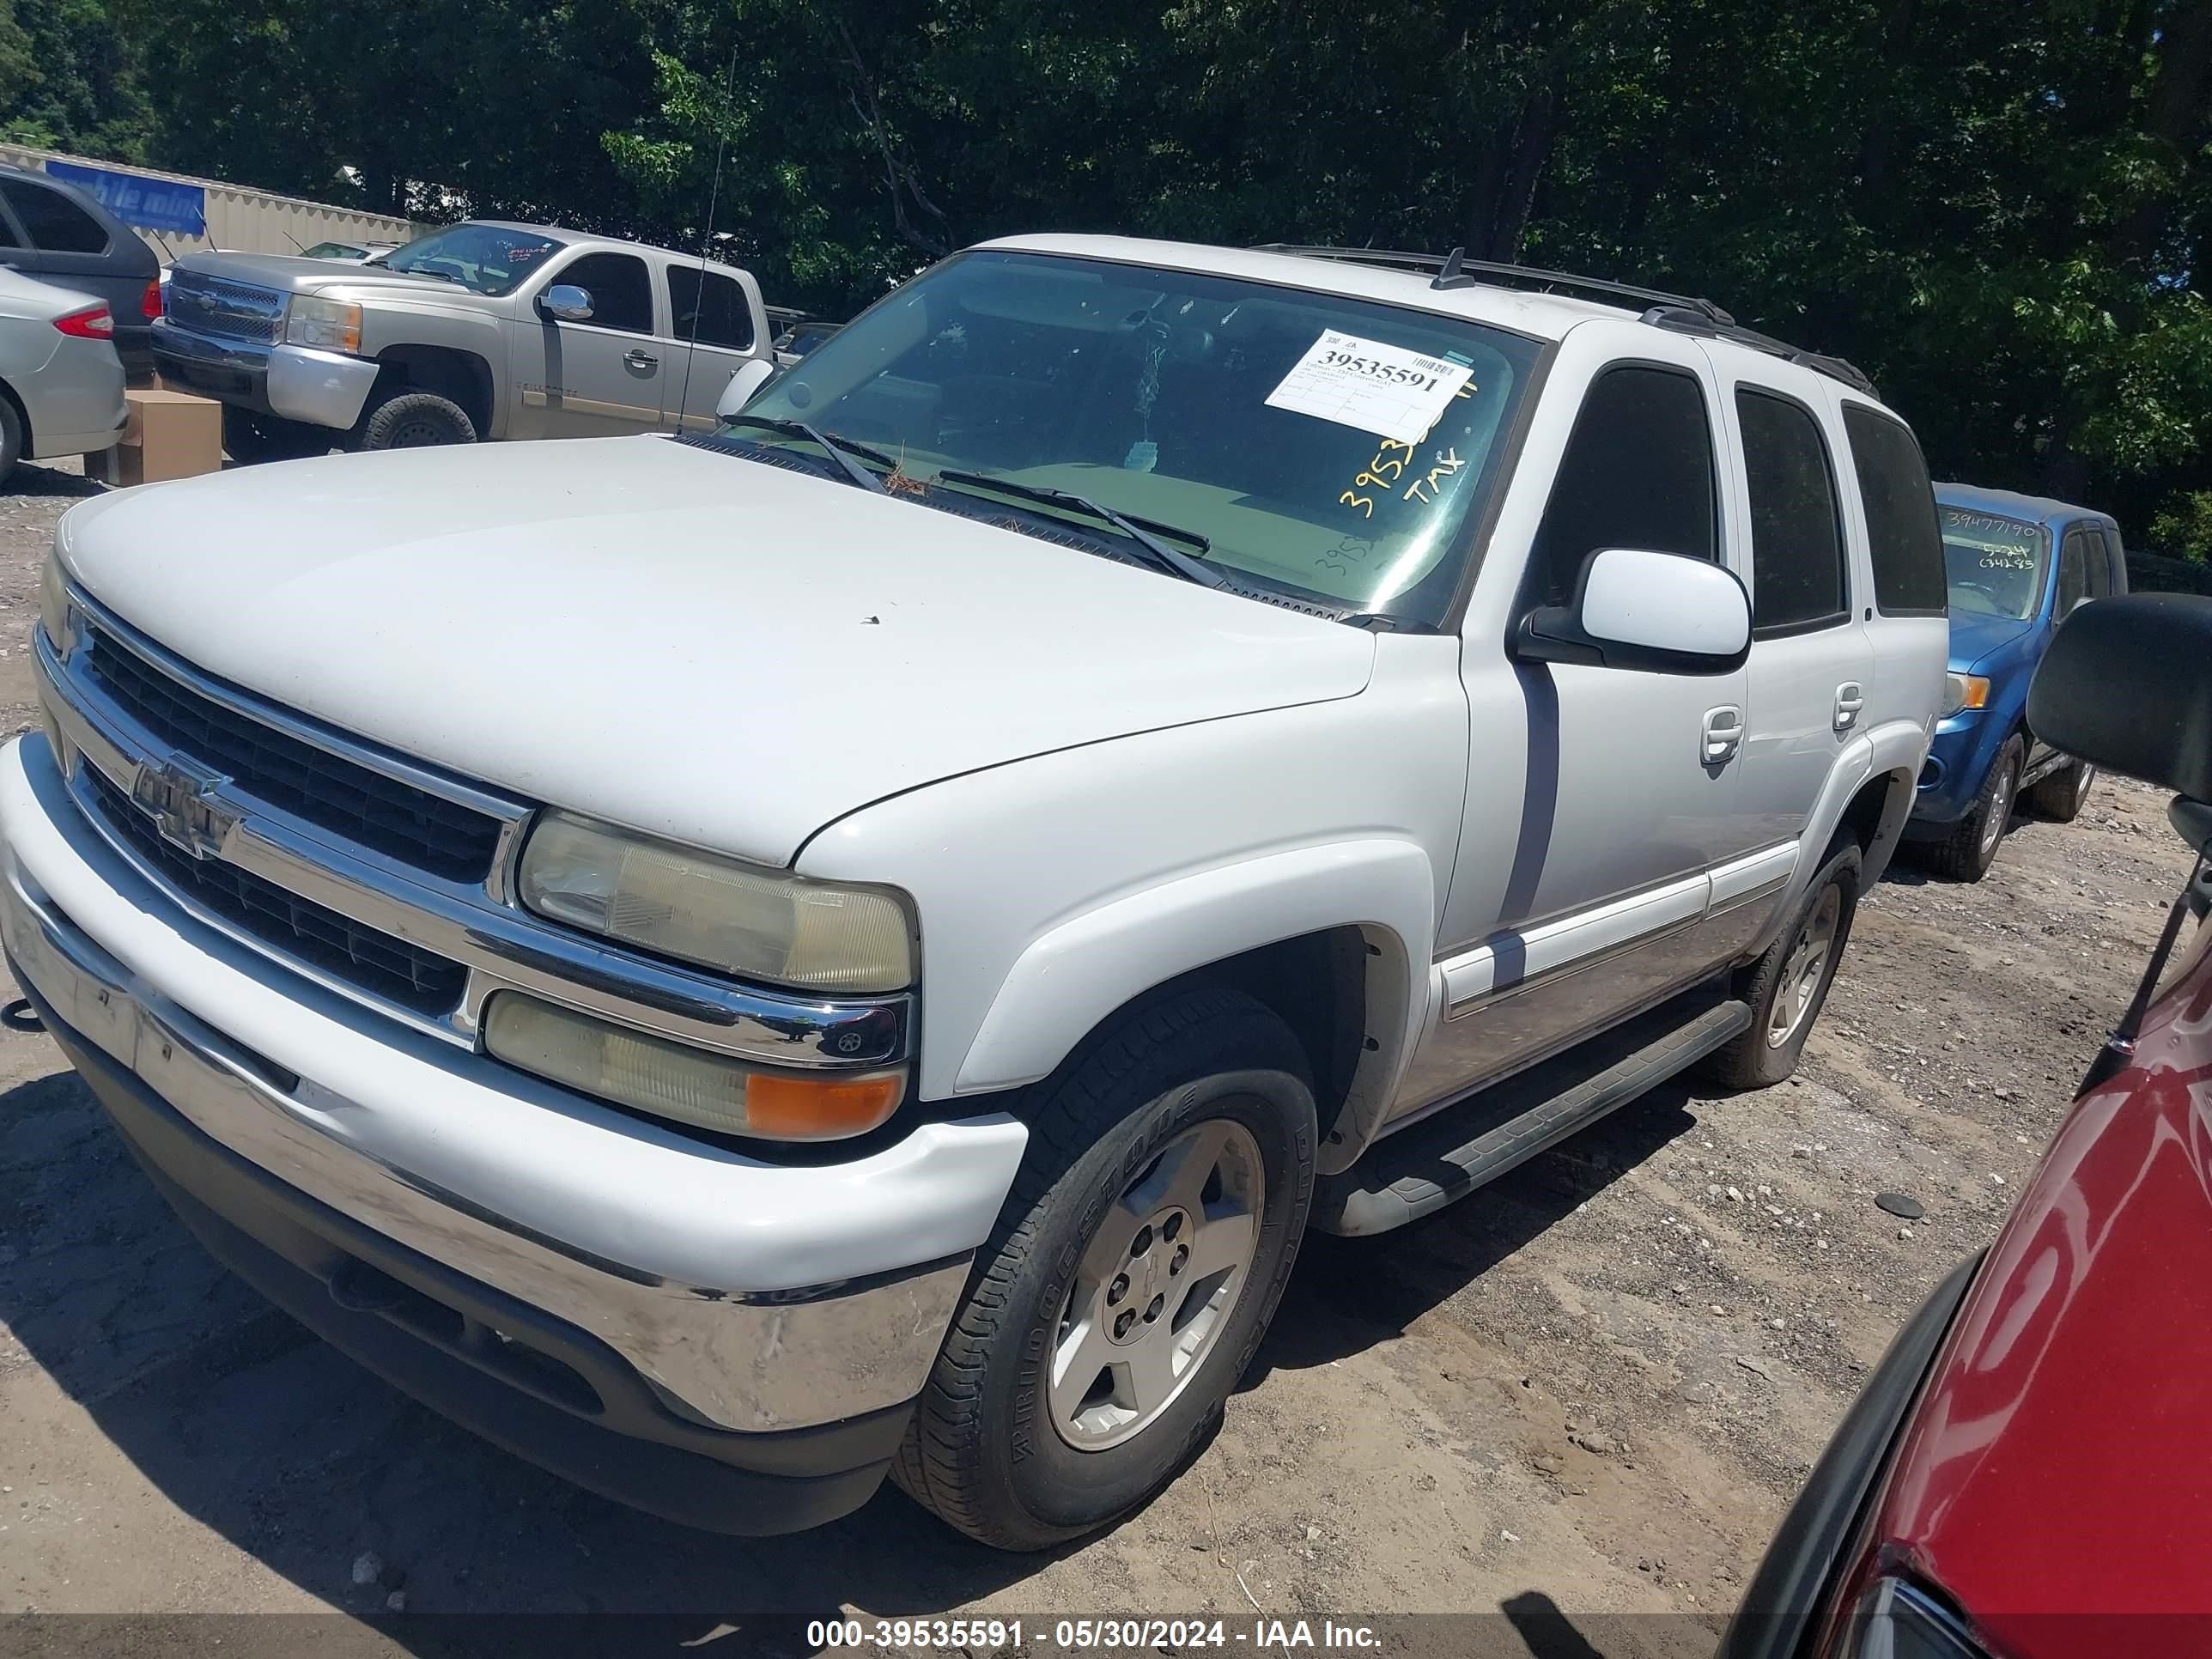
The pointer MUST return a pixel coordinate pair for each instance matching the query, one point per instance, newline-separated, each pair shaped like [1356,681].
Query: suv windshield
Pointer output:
[1327,448]
[1995,565]
[487,259]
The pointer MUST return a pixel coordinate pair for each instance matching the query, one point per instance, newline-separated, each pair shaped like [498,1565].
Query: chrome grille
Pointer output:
[412,825]
[377,962]
[217,306]
[324,852]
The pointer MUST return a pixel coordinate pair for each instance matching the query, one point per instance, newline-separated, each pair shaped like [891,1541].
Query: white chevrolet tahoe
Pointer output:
[859,942]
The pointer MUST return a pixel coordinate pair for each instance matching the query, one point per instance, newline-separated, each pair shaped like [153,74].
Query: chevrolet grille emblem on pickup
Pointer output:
[177,796]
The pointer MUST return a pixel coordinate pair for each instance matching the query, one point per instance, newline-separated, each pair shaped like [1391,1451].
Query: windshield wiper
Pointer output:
[427,271]
[1140,531]
[840,450]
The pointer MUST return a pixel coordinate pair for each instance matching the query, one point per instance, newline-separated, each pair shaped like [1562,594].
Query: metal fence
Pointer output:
[177,214]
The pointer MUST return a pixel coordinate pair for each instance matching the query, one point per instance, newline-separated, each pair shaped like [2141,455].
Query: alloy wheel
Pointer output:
[1156,1285]
[1804,969]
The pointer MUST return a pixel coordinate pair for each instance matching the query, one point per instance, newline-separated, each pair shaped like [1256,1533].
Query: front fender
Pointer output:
[1052,890]
[1068,979]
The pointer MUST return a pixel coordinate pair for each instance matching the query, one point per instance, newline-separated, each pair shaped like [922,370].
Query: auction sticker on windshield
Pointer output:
[1384,389]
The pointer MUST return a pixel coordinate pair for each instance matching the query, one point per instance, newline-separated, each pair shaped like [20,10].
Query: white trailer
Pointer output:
[177,214]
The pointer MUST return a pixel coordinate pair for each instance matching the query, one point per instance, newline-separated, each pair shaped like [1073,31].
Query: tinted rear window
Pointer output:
[1796,544]
[1900,513]
[51,221]
[723,320]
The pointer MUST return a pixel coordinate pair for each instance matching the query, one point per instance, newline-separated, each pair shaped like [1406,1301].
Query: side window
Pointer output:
[621,290]
[1796,537]
[1638,472]
[2104,549]
[724,318]
[1900,513]
[52,221]
[2073,573]
[8,237]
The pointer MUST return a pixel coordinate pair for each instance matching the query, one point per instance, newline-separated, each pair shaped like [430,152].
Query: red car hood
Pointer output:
[2060,1460]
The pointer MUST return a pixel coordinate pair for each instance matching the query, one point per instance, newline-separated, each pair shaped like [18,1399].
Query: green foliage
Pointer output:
[2183,527]
[1999,208]
[67,80]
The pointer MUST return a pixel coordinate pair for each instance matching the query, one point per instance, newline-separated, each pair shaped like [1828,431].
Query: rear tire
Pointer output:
[2059,796]
[11,438]
[1967,853]
[249,438]
[1188,1124]
[413,420]
[1788,986]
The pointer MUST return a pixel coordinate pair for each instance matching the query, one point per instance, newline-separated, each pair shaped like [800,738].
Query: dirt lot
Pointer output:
[1588,1391]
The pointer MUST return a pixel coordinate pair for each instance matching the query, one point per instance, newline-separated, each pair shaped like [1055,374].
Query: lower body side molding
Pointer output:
[1446,1155]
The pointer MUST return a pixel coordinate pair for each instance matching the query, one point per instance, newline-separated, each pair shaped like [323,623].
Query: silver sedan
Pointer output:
[60,383]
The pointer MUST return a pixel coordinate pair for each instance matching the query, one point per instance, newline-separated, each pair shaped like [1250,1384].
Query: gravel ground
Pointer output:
[1586,1393]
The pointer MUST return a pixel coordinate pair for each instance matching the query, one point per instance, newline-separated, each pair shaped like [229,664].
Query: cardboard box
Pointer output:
[170,434]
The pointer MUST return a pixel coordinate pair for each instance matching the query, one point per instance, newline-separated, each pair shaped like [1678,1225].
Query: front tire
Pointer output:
[1133,1270]
[1787,986]
[1967,853]
[414,420]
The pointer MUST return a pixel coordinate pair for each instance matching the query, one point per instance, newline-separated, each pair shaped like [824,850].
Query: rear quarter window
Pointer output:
[1902,533]
[53,222]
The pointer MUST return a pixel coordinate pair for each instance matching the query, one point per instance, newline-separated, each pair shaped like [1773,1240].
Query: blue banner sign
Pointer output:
[149,203]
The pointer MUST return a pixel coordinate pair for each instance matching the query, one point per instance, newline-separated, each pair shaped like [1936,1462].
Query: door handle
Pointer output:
[1724,733]
[1851,698]
[637,359]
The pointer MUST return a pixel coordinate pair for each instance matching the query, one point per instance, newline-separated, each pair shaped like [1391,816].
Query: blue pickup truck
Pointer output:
[2017,565]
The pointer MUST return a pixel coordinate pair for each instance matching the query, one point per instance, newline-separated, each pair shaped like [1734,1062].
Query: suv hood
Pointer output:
[705,647]
[289,274]
[1974,636]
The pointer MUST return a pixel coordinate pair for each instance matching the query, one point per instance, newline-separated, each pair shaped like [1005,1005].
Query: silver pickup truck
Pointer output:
[482,330]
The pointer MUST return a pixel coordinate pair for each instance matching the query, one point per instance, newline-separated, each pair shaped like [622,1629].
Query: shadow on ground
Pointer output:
[1350,1293]
[29,478]
[253,1428]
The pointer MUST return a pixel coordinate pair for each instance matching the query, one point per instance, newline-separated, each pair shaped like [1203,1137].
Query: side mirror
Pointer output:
[565,302]
[2127,685]
[749,379]
[1665,613]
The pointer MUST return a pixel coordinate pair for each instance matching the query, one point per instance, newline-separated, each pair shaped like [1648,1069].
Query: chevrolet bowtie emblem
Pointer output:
[179,796]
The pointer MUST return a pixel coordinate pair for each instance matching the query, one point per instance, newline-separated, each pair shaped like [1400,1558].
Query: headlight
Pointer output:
[689,1086]
[753,923]
[55,615]
[332,325]
[1964,691]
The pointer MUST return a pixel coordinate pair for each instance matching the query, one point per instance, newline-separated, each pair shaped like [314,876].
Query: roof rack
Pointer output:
[1836,368]
[1680,313]
[1455,269]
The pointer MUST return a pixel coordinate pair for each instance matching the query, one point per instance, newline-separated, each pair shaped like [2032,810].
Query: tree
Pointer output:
[69,80]
[421,107]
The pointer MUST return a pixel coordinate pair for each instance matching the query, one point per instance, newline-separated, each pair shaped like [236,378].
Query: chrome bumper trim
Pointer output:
[745,1361]
[503,946]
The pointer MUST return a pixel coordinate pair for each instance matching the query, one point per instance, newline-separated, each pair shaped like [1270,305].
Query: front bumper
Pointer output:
[471,1234]
[321,388]
[1959,757]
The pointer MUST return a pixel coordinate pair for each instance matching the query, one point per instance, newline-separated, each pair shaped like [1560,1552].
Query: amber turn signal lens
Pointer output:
[685,1083]
[823,1108]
